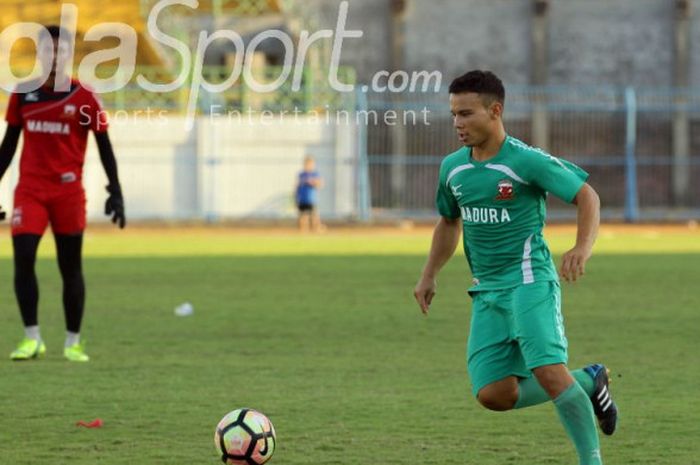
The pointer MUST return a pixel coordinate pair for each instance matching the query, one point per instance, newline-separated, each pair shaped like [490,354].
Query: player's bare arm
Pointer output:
[573,264]
[445,240]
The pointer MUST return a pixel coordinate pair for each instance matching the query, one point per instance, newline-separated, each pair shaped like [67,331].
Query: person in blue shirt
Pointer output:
[309,182]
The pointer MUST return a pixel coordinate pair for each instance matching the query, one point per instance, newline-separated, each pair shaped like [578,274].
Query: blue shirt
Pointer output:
[306,192]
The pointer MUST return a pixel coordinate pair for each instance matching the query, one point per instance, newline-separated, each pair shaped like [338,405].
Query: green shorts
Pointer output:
[514,331]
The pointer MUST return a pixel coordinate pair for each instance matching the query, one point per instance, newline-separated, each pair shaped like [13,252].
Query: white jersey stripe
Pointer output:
[559,162]
[523,145]
[506,170]
[55,104]
[528,276]
[456,170]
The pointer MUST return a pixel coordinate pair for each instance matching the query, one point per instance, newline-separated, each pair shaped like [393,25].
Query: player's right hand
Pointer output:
[114,206]
[3,215]
[424,293]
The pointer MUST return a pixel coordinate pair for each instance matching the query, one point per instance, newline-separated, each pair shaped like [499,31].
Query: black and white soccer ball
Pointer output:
[245,437]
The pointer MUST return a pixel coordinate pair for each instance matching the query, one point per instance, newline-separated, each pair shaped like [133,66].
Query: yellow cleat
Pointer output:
[76,353]
[28,349]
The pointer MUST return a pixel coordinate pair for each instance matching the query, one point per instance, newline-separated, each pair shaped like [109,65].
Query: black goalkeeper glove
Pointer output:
[114,206]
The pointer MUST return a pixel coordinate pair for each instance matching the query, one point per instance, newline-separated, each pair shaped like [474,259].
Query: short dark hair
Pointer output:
[480,82]
[54,31]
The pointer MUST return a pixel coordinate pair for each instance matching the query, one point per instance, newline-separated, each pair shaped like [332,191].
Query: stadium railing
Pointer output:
[637,144]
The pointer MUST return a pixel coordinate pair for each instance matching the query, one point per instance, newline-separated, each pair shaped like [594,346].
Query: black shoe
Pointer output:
[603,405]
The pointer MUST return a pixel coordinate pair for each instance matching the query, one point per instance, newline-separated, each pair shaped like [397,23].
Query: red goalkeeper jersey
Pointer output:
[55,126]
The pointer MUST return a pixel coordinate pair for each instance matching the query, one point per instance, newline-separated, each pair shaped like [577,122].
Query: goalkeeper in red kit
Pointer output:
[55,119]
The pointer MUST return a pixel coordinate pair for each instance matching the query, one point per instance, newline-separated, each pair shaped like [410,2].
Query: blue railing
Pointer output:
[632,140]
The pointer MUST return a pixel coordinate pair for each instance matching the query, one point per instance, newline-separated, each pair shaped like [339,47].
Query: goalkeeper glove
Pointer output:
[114,206]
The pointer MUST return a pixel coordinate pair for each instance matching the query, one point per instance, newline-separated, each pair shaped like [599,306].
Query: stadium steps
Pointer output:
[90,13]
[228,7]
[131,12]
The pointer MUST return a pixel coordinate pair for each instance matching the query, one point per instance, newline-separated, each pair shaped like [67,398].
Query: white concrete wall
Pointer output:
[223,168]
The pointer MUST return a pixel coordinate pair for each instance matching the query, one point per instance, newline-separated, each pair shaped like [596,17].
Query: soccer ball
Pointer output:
[245,437]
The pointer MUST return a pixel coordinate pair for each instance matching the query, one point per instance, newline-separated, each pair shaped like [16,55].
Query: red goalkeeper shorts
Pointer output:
[59,204]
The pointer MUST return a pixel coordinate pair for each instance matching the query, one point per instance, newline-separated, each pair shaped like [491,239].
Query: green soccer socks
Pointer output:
[531,393]
[576,414]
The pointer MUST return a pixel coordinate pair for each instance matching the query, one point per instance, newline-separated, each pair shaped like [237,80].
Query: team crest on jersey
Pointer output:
[32,97]
[69,110]
[505,190]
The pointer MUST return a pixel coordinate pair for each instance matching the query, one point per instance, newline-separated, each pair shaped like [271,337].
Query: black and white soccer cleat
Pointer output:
[603,405]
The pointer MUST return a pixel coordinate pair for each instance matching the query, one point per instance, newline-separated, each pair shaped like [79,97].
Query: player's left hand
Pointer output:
[573,263]
[114,206]
[3,215]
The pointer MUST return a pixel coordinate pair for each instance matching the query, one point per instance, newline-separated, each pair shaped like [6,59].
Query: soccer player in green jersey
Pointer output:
[493,190]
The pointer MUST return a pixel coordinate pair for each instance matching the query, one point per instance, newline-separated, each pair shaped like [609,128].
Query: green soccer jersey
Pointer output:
[502,205]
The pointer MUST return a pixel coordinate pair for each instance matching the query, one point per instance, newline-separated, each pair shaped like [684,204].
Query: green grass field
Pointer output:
[322,334]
